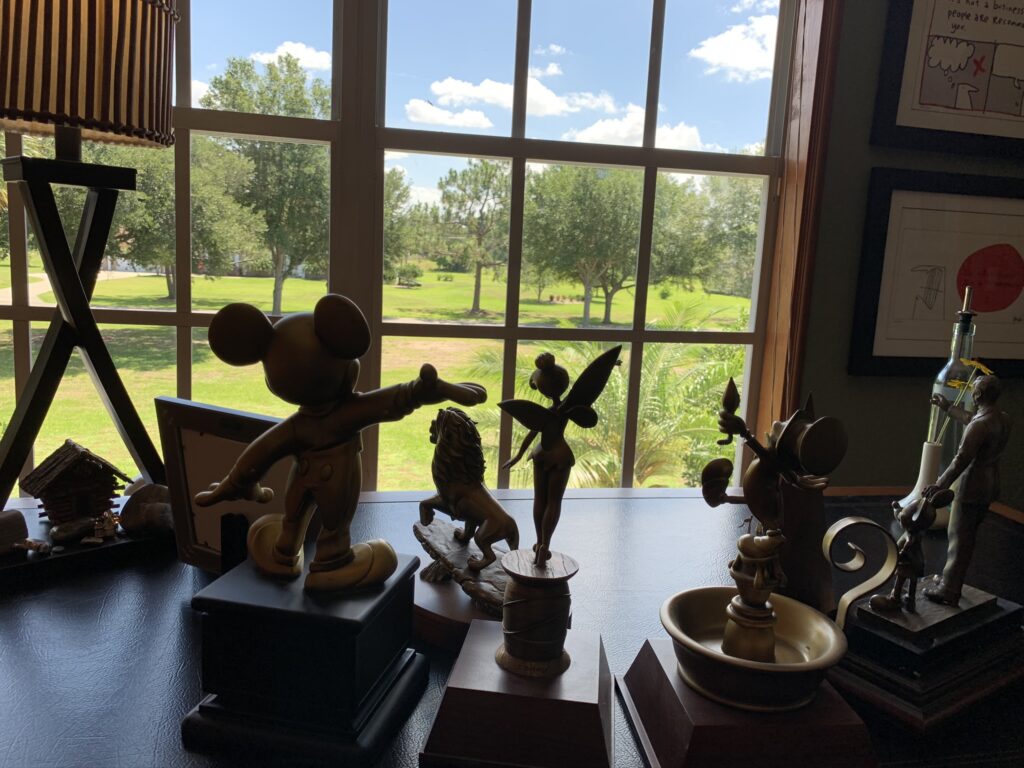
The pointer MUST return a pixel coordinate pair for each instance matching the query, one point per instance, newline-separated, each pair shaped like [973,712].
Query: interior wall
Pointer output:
[885,417]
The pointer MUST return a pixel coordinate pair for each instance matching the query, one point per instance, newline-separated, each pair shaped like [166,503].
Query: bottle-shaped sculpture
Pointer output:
[951,380]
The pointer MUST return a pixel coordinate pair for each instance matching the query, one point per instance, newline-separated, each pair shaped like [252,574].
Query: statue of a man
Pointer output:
[985,436]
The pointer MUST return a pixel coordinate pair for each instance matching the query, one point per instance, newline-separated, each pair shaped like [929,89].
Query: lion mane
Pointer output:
[459,456]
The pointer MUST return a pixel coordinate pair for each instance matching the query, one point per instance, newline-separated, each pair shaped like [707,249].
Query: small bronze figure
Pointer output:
[986,433]
[783,489]
[915,518]
[553,458]
[458,472]
[311,359]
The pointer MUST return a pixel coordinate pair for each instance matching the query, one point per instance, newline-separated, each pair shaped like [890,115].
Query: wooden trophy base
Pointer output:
[490,717]
[923,667]
[296,676]
[675,726]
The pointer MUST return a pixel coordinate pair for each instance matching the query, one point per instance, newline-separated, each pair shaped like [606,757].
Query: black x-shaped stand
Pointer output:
[73,278]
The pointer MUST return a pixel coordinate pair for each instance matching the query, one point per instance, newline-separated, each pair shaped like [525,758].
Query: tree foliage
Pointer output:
[289,183]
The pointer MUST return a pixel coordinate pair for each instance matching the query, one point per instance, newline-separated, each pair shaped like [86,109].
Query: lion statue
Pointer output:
[458,471]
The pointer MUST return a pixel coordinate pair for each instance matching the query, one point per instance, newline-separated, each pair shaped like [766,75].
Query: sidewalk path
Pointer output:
[42,285]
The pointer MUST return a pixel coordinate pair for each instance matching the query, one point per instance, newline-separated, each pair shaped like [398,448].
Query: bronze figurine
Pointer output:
[553,458]
[986,433]
[458,472]
[915,518]
[783,488]
[311,359]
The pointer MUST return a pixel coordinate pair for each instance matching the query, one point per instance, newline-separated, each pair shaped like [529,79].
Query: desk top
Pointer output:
[101,668]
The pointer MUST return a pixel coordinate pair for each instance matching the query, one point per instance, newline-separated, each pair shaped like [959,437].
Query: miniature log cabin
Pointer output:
[73,482]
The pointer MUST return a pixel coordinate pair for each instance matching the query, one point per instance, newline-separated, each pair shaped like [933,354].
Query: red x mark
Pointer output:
[979,66]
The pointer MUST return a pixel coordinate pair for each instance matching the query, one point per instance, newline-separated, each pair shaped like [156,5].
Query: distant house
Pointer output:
[74,482]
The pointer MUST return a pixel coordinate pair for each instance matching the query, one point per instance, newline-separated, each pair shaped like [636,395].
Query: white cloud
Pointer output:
[541,101]
[551,49]
[394,155]
[420,111]
[550,70]
[199,89]
[428,195]
[745,52]
[756,5]
[400,168]
[309,57]
[629,130]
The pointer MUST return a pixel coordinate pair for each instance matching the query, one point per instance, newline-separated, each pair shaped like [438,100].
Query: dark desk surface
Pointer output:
[99,669]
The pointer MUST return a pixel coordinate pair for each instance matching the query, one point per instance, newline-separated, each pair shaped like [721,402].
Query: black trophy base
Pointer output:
[283,670]
[214,727]
[492,718]
[675,726]
[923,667]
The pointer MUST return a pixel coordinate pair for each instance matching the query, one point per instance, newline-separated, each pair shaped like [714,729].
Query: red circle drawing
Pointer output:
[996,272]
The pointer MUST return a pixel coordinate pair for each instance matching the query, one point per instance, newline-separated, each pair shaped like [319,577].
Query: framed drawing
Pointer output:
[201,443]
[926,237]
[952,77]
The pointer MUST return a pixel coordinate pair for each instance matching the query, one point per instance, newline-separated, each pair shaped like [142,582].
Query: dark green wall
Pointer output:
[884,416]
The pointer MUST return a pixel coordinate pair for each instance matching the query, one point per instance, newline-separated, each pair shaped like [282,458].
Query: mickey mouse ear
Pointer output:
[240,334]
[822,446]
[341,327]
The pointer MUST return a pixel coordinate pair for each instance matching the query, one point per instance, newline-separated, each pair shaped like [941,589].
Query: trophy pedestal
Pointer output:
[675,726]
[314,677]
[491,717]
[923,667]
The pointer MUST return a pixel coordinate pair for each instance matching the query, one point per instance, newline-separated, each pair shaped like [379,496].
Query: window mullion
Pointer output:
[654,73]
[522,68]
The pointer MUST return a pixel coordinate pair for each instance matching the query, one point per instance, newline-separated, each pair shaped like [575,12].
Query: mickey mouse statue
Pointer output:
[311,360]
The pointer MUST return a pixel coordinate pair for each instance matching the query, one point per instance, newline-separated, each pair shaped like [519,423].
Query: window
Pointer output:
[486,180]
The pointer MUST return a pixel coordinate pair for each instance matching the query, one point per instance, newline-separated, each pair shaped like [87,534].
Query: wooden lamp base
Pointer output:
[491,717]
[675,726]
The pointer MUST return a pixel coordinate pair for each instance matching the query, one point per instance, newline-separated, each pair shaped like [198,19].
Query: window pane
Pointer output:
[716,74]
[681,388]
[588,71]
[260,223]
[405,448]
[450,65]
[445,238]
[598,451]
[581,227]
[704,252]
[144,356]
[238,387]
[7,390]
[260,56]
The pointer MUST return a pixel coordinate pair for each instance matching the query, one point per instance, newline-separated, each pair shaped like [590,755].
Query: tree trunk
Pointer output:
[169,278]
[609,294]
[476,288]
[588,296]
[279,278]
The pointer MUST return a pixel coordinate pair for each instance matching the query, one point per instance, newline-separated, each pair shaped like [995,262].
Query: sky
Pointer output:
[450,67]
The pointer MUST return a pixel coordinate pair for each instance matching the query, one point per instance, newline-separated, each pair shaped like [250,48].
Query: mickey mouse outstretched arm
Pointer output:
[243,481]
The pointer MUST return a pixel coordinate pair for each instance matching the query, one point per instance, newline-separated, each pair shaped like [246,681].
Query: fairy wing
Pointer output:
[592,381]
[583,415]
[529,414]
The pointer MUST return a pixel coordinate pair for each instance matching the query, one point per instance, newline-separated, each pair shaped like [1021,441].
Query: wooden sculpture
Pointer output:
[986,433]
[458,472]
[915,518]
[553,458]
[311,359]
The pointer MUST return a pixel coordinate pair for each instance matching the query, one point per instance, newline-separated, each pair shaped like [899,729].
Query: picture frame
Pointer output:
[952,83]
[201,443]
[925,236]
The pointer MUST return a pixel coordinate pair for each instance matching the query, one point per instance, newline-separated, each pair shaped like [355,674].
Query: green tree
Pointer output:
[289,185]
[474,216]
[398,231]
[679,247]
[733,219]
[583,224]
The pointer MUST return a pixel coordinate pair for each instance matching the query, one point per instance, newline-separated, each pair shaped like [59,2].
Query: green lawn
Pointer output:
[443,297]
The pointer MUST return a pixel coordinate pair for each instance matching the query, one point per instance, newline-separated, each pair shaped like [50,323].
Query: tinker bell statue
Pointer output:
[553,458]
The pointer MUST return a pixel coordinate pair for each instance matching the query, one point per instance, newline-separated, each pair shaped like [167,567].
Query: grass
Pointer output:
[145,358]
[441,297]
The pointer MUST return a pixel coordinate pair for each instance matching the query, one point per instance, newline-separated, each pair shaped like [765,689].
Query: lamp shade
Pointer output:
[104,66]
